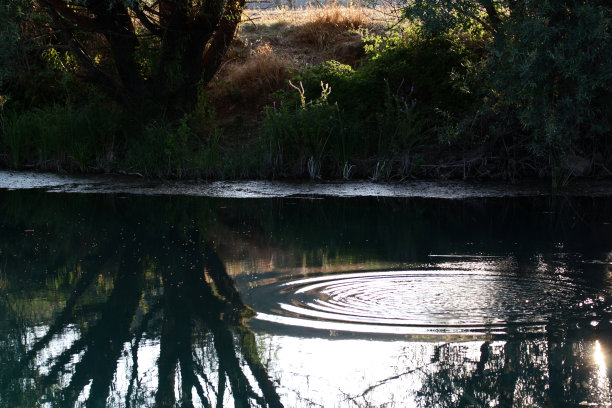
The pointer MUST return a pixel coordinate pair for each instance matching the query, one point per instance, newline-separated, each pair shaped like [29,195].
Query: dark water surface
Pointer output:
[118,300]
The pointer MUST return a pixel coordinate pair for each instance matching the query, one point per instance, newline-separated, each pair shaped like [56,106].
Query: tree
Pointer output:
[545,82]
[161,50]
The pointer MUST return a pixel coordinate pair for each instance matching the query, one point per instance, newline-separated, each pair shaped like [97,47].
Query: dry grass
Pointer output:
[300,16]
[262,72]
[311,35]
[272,45]
[325,25]
[244,84]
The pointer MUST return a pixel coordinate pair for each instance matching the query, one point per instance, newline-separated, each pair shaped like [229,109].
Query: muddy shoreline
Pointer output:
[120,184]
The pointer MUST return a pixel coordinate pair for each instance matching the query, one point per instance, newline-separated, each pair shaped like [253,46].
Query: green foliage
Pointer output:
[528,82]
[385,109]
[174,149]
[33,70]
[296,134]
[445,16]
[101,137]
[11,47]
[192,146]
[147,54]
[545,85]
[560,85]
[318,137]
[421,69]
[155,151]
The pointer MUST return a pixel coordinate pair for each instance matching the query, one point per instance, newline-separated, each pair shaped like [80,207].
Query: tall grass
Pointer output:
[261,73]
[338,121]
[62,137]
[95,138]
[323,25]
[318,138]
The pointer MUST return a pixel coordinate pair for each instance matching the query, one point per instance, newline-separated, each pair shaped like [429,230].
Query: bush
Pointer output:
[553,70]
[421,68]
[380,112]
[544,88]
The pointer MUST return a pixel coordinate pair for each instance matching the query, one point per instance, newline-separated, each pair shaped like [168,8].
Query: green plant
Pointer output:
[543,89]
[386,109]
[3,100]
[61,136]
[296,134]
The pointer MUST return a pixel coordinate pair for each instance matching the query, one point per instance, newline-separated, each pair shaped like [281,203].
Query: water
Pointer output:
[113,299]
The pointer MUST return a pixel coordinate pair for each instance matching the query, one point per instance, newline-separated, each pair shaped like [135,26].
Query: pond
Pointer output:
[111,299]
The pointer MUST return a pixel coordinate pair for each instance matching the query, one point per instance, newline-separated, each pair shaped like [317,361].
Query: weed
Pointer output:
[347,169]
[314,168]
[382,171]
[373,111]
[297,132]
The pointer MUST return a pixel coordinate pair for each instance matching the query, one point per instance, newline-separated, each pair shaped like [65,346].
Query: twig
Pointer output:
[386,380]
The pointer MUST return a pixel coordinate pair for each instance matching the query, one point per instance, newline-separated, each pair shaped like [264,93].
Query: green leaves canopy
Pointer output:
[548,72]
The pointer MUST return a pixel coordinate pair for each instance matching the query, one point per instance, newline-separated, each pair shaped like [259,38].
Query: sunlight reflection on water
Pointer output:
[479,300]
[118,300]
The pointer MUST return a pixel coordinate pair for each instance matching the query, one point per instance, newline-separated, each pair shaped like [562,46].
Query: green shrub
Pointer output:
[421,68]
[32,72]
[299,133]
[385,109]
[553,70]
[544,88]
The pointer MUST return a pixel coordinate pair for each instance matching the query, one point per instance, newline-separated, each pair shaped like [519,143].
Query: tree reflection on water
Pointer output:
[119,302]
[556,372]
[132,292]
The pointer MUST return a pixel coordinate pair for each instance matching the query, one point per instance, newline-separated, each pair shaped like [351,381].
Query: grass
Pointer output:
[62,137]
[260,127]
[262,72]
[330,25]
[366,101]
[276,44]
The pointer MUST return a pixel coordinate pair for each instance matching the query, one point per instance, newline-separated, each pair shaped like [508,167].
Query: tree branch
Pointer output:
[94,74]
[61,9]
[222,39]
[146,22]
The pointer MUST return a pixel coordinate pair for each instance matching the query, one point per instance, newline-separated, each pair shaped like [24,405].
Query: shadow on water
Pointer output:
[125,301]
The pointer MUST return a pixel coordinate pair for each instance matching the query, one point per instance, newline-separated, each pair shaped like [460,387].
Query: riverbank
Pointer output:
[323,94]
[451,190]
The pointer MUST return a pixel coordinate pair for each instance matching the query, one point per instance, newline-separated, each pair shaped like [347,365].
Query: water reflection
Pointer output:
[128,312]
[149,301]
[464,301]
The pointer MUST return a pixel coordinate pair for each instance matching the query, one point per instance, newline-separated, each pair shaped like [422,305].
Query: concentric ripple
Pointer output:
[425,302]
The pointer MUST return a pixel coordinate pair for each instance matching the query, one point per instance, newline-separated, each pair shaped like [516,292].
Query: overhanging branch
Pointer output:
[146,22]
[95,75]
[61,8]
